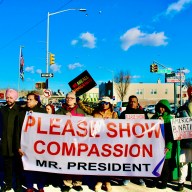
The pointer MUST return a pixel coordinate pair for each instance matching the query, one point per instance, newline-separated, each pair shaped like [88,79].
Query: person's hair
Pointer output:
[52,108]
[36,97]
[71,93]
[133,96]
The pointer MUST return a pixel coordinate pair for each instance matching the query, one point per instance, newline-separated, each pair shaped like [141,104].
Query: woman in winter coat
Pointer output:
[163,112]
[105,111]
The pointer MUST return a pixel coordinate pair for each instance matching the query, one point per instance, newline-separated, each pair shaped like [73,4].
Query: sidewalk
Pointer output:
[131,187]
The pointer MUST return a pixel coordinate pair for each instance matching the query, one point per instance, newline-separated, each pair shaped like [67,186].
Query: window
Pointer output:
[139,91]
[153,91]
[166,91]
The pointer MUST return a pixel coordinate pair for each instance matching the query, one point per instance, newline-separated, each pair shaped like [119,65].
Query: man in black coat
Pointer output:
[133,107]
[8,124]
[33,105]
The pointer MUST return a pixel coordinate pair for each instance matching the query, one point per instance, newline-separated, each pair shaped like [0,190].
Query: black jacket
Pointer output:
[8,125]
[21,118]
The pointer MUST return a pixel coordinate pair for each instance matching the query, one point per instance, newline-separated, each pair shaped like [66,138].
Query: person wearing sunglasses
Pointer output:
[104,110]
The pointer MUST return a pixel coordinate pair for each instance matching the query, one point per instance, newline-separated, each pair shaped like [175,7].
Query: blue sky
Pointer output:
[112,35]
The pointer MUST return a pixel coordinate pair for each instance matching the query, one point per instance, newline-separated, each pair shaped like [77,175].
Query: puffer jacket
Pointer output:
[167,125]
[106,114]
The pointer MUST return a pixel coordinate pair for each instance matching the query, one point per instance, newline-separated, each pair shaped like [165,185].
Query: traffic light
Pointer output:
[153,68]
[52,59]
[40,85]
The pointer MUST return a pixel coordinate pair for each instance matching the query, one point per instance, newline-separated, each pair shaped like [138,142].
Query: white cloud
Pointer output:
[74,42]
[186,70]
[29,69]
[135,77]
[135,36]
[177,6]
[75,65]
[88,39]
[55,68]
[173,9]
[39,71]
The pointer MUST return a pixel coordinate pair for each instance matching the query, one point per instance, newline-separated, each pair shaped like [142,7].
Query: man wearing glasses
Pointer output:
[71,108]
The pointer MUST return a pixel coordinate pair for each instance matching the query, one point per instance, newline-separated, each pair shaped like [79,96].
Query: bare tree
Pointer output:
[122,80]
[188,82]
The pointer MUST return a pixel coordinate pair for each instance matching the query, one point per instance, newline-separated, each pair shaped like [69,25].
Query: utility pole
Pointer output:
[180,79]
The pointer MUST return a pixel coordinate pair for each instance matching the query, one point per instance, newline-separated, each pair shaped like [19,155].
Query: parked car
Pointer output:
[19,102]
[2,102]
[120,107]
[149,108]
[173,108]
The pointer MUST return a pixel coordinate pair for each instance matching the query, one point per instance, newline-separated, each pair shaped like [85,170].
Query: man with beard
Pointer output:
[8,124]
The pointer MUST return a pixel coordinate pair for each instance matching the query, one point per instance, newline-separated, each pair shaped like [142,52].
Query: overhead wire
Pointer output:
[31,28]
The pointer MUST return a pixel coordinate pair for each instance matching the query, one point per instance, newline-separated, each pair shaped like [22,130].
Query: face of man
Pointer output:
[10,101]
[31,102]
[133,103]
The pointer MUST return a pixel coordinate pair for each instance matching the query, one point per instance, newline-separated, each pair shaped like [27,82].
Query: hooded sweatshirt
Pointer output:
[167,124]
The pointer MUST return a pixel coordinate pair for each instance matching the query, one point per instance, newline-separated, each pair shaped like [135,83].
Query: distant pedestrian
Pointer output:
[50,109]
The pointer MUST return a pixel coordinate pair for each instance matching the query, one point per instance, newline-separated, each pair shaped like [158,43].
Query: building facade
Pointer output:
[147,93]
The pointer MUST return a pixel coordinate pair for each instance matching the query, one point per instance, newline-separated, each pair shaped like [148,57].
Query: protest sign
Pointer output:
[134,116]
[92,146]
[82,83]
[182,128]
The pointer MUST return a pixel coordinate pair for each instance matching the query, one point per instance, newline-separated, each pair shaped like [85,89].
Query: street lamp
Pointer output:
[47,54]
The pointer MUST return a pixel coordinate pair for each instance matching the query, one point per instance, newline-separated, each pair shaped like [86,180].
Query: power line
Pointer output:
[31,28]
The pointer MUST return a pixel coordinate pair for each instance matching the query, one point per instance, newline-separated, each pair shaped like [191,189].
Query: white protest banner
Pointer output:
[92,146]
[181,128]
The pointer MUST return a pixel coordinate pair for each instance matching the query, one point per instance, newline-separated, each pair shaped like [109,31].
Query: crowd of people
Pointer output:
[12,118]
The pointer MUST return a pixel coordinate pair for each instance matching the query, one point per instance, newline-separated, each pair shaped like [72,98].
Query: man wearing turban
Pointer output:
[8,124]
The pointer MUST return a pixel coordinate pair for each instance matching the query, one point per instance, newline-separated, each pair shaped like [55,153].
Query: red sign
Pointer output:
[47,93]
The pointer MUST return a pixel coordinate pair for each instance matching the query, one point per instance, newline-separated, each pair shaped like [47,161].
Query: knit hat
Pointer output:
[11,93]
[189,91]
[106,99]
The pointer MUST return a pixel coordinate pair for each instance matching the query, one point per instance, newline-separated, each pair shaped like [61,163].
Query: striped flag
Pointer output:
[21,66]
